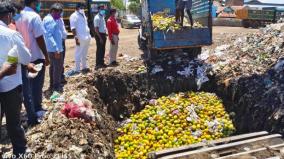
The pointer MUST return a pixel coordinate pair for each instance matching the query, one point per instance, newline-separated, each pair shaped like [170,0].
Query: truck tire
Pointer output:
[245,24]
[193,52]
[141,43]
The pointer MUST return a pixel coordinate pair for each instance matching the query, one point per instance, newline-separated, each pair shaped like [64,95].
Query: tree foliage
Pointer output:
[118,4]
[134,6]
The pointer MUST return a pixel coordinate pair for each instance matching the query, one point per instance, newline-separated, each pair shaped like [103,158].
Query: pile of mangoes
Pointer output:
[173,121]
[163,22]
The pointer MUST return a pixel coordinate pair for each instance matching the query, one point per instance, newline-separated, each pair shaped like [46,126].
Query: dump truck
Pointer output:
[256,17]
[188,39]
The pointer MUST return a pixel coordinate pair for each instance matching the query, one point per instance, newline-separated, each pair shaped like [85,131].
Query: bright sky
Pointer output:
[270,1]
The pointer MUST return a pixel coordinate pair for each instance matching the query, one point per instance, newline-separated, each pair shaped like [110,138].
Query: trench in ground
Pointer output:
[127,93]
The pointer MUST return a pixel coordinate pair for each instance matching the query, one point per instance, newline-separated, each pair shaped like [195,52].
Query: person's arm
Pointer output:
[38,32]
[24,55]
[110,31]
[49,27]
[73,22]
[7,70]
[96,25]
[64,31]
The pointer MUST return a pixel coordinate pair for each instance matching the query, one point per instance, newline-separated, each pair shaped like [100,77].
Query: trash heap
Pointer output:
[74,127]
[254,53]
[179,65]
[249,74]
[172,121]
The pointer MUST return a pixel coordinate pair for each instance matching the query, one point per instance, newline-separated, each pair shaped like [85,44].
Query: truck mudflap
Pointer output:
[254,145]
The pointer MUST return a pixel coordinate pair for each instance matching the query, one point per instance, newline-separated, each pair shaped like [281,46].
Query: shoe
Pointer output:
[100,66]
[114,63]
[63,81]
[71,73]
[85,70]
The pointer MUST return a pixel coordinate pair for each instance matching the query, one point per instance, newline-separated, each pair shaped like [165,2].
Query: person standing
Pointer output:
[181,6]
[10,86]
[27,96]
[53,40]
[81,32]
[100,36]
[31,27]
[64,37]
[113,32]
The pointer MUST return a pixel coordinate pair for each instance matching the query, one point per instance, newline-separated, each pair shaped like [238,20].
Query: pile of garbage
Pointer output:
[74,126]
[173,121]
[174,65]
[249,74]
[253,53]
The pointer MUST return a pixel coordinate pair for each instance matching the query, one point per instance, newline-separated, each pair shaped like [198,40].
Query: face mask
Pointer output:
[56,16]
[38,7]
[16,17]
[82,11]
[102,12]
[62,14]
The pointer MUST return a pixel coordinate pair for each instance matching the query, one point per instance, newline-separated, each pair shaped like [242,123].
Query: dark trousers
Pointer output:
[55,71]
[63,54]
[101,48]
[37,86]
[27,94]
[11,106]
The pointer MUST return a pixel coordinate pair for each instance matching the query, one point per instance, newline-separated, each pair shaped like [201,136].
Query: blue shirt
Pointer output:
[53,35]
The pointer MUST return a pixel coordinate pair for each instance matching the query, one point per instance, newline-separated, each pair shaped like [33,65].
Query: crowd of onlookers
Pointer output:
[29,44]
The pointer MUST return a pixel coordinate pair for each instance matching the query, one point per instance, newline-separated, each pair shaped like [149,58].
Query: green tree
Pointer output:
[118,4]
[134,6]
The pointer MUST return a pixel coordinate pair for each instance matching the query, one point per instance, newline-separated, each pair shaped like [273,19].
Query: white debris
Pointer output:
[157,69]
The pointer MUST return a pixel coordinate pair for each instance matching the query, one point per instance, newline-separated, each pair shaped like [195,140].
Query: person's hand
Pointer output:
[47,62]
[77,41]
[8,69]
[57,55]
[112,42]
[31,68]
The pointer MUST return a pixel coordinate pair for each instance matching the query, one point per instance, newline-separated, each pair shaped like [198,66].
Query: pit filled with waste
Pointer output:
[130,110]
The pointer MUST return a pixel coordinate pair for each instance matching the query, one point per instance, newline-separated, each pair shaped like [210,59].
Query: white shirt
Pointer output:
[9,38]
[79,22]
[31,27]
[99,21]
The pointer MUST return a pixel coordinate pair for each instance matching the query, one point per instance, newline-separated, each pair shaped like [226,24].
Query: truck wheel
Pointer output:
[152,54]
[193,52]
[141,43]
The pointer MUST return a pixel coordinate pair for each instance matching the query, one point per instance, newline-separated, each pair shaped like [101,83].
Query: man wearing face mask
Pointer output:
[53,40]
[31,27]
[100,36]
[81,32]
